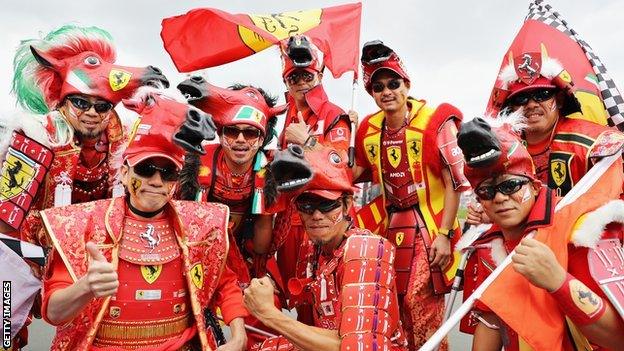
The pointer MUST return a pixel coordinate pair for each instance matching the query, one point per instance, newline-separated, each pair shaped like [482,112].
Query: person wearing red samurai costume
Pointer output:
[568,264]
[310,119]
[137,272]
[351,282]
[65,155]
[411,151]
[557,137]
[232,173]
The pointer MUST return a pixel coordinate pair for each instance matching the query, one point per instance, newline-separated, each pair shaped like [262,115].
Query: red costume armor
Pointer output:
[353,291]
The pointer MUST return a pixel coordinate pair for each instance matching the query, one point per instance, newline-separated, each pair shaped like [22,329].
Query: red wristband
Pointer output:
[578,302]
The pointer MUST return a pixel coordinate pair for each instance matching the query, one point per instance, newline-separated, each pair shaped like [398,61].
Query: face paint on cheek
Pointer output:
[335,218]
[553,106]
[135,185]
[527,195]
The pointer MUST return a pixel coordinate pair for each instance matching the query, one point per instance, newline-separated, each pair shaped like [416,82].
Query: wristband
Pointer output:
[578,302]
[449,233]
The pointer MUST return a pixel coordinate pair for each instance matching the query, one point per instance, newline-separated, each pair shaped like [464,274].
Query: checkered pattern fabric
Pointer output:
[611,97]
[24,249]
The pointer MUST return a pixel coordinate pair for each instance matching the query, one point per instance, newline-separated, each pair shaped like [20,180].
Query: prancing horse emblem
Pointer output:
[148,235]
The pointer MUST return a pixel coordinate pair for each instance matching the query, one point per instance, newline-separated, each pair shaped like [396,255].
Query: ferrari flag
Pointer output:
[209,37]
[545,31]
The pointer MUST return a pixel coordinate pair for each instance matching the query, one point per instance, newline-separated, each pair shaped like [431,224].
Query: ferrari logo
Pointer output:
[399,238]
[151,272]
[414,148]
[17,173]
[558,172]
[565,76]
[280,25]
[248,113]
[197,275]
[118,79]
[394,155]
[371,150]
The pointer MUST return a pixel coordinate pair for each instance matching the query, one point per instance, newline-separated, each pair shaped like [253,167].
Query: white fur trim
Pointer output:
[550,68]
[28,123]
[590,230]
[471,235]
[498,251]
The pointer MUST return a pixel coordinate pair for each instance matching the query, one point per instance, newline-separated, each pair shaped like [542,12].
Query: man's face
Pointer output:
[322,218]
[509,210]
[299,81]
[389,91]
[240,142]
[88,115]
[150,183]
[541,109]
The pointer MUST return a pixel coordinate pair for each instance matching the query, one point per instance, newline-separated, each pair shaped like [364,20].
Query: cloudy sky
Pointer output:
[452,49]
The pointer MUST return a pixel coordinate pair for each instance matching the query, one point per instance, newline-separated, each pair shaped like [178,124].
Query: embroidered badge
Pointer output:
[197,275]
[151,272]
[142,295]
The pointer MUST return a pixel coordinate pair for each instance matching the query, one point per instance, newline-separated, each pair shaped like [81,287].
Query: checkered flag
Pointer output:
[24,249]
[613,101]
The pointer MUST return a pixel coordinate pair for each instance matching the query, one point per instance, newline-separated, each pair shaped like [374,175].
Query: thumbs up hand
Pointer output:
[101,278]
[297,132]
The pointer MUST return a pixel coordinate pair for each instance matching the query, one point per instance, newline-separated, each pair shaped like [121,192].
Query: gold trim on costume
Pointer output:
[132,332]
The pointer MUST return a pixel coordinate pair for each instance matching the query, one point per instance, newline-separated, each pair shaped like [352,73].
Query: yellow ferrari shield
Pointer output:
[197,275]
[399,238]
[151,272]
[394,155]
[558,171]
[118,79]
[280,25]
[17,173]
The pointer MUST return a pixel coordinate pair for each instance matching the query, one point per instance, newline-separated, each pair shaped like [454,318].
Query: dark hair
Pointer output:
[270,99]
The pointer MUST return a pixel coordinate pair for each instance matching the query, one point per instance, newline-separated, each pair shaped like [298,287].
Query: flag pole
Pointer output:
[581,187]
[353,123]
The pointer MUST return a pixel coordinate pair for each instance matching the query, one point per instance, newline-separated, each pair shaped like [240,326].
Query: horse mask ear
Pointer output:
[46,60]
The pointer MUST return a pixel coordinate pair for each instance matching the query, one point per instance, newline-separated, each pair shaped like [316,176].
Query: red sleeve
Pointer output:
[58,278]
[339,136]
[360,154]
[229,297]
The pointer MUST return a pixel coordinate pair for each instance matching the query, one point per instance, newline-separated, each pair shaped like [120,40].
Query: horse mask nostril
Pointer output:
[197,79]
[296,150]
[155,69]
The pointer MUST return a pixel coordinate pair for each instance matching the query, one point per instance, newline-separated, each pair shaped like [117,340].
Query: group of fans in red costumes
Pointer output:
[159,231]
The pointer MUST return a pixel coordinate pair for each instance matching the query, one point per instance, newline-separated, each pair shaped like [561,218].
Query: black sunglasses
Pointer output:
[295,77]
[393,84]
[506,187]
[308,206]
[537,95]
[168,173]
[232,132]
[85,105]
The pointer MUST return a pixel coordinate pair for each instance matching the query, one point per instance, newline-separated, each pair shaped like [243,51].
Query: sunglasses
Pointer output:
[507,187]
[248,133]
[324,206]
[168,173]
[537,95]
[393,84]
[295,77]
[85,105]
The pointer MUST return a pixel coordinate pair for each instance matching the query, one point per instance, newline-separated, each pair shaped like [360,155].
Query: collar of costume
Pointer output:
[143,214]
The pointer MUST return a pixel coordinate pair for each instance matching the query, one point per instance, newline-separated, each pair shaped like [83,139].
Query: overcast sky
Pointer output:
[452,49]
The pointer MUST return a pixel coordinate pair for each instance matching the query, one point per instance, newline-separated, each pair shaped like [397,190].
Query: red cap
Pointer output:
[152,134]
[311,56]
[244,106]
[381,57]
[491,150]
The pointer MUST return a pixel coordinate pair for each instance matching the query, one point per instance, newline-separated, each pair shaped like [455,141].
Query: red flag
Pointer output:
[373,216]
[541,33]
[533,313]
[210,37]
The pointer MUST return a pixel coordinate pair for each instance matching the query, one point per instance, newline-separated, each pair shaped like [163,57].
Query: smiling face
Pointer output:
[81,113]
[240,143]
[390,100]
[149,193]
[510,212]
[541,117]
